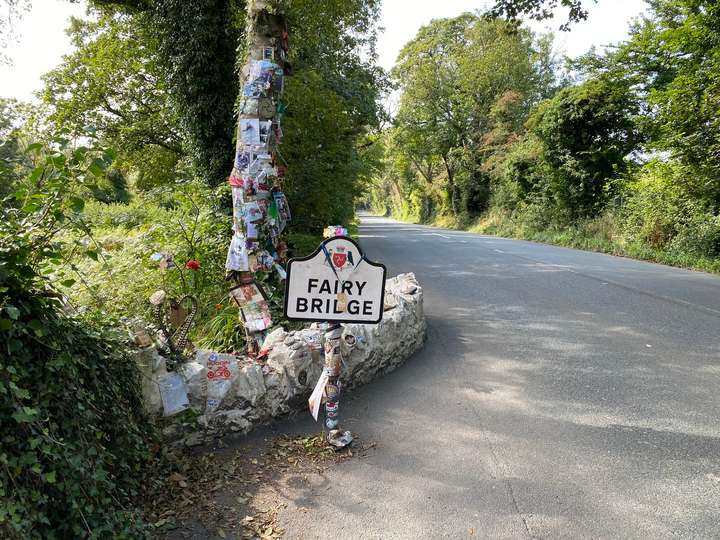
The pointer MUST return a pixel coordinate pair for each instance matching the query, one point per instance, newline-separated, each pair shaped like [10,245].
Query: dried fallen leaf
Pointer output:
[221,533]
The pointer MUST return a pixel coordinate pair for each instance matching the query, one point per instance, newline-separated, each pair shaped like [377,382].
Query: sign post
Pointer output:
[335,284]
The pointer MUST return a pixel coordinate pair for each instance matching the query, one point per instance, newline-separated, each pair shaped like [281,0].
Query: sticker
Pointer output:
[342,300]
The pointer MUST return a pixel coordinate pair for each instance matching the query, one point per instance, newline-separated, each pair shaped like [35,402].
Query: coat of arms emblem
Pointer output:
[341,257]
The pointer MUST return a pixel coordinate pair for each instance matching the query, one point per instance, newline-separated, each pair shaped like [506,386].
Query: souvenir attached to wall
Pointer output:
[236,180]
[221,369]
[249,106]
[266,261]
[242,160]
[266,131]
[266,108]
[251,231]
[253,212]
[173,393]
[253,89]
[283,209]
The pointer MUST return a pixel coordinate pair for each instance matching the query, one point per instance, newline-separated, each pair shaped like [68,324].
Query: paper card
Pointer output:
[221,370]
[237,257]
[266,261]
[252,212]
[249,106]
[250,131]
[265,128]
[243,159]
[266,108]
[256,316]
[253,89]
[247,293]
[251,230]
[173,393]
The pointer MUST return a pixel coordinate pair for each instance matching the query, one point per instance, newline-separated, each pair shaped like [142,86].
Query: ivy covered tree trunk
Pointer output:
[196,44]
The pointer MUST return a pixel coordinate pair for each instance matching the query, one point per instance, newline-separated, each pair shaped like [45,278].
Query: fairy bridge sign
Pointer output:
[335,284]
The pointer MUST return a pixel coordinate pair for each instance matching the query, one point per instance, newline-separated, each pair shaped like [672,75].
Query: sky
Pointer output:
[42,41]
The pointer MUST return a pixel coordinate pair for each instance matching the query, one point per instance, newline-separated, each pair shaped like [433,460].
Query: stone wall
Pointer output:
[234,394]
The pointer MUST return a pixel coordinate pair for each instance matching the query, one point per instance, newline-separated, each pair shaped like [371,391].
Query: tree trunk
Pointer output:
[258,202]
[452,189]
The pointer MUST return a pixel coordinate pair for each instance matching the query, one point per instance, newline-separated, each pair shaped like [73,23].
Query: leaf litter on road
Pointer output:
[233,492]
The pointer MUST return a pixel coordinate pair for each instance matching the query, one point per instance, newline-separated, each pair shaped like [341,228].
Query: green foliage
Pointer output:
[563,165]
[663,213]
[336,39]
[672,61]
[196,44]
[540,10]
[187,221]
[468,84]
[112,88]
[586,131]
[322,170]
[74,436]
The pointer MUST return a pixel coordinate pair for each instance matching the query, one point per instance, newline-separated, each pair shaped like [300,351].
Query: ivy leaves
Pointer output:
[73,434]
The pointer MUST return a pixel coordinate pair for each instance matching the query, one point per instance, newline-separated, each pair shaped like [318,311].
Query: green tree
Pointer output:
[452,75]
[111,88]
[322,170]
[540,9]
[587,131]
[672,62]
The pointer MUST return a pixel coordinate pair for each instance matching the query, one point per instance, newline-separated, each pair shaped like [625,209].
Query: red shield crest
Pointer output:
[339,259]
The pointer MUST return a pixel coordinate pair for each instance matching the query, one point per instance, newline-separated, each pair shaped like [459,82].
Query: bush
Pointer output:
[586,131]
[663,214]
[185,221]
[74,439]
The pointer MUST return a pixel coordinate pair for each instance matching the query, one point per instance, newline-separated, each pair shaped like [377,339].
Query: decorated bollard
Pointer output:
[335,284]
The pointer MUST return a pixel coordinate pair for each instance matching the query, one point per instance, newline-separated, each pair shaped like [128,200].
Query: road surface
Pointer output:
[561,394]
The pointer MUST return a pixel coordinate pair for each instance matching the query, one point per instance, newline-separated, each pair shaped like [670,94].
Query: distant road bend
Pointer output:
[561,394]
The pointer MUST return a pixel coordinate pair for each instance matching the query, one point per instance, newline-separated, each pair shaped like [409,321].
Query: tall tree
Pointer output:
[451,76]
[672,64]
[111,87]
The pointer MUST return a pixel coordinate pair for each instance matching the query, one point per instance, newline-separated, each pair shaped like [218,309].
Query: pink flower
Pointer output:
[192,264]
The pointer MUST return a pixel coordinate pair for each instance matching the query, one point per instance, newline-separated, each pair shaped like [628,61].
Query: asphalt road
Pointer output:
[561,394]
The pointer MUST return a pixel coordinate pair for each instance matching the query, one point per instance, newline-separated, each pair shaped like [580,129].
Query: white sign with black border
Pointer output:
[335,284]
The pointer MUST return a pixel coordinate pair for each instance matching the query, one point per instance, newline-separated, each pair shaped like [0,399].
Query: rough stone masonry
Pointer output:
[234,394]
